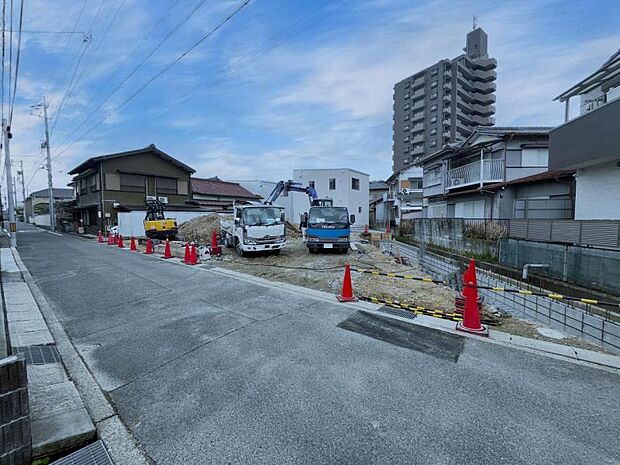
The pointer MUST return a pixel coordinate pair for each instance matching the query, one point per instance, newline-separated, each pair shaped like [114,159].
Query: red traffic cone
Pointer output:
[132,245]
[216,250]
[100,238]
[167,253]
[213,239]
[387,227]
[110,237]
[120,242]
[149,247]
[193,256]
[347,288]
[186,259]
[365,229]
[471,315]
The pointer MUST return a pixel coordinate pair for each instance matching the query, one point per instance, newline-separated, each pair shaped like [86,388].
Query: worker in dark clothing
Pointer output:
[303,222]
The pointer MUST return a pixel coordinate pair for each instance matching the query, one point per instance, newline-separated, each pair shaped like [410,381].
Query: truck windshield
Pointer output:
[261,216]
[328,215]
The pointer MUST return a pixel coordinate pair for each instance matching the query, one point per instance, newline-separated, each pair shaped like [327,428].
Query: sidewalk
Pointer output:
[59,420]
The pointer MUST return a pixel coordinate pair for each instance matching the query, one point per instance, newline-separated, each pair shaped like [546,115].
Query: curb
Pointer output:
[110,429]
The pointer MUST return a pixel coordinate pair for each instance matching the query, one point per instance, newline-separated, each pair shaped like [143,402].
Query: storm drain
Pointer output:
[93,454]
[397,312]
[38,355]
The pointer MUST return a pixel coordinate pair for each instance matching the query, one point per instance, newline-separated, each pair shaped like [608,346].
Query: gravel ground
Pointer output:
[324,271]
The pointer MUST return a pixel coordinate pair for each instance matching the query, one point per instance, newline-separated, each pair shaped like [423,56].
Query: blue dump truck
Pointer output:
[328,228]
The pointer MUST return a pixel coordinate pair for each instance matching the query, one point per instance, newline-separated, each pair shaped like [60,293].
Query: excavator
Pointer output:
[292,186]
[156,225]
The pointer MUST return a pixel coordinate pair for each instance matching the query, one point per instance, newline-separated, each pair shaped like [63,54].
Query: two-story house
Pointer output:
[107,184]
[377,202]
[497,172]
[405,194]
[590,143]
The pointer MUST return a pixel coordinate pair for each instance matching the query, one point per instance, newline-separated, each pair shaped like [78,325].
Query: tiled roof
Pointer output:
[59,193]
[219,188]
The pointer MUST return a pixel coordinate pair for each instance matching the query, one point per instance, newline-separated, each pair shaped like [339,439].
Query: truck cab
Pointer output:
[255,228]
[328,228]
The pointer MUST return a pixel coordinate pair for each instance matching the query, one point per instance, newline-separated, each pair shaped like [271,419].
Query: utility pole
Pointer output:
[9,188]
[49,170]
[21,172]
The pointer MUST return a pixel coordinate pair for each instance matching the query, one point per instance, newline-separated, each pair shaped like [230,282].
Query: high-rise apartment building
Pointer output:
[444,102]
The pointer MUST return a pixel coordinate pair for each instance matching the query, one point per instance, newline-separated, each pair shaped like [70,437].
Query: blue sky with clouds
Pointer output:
[282,85]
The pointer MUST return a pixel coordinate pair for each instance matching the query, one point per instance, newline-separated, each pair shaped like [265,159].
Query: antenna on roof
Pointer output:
[475,22]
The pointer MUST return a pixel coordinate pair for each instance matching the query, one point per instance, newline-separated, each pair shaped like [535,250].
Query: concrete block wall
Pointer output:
[560,315]
[15,435]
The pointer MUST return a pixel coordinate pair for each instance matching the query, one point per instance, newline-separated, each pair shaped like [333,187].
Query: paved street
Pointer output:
[205,368]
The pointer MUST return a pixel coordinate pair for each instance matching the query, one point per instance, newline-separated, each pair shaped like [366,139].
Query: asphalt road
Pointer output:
[205,368]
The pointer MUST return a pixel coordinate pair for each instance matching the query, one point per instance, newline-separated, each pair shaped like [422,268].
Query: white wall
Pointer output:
[343,195]
[264,188]
[132,223]
[597,194]
[41,220]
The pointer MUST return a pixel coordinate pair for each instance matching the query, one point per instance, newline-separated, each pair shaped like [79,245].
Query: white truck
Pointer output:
[255,228]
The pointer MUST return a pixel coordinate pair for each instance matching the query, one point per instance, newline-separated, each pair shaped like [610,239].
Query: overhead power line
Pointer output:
[139,65]
[212,31]
[19,43]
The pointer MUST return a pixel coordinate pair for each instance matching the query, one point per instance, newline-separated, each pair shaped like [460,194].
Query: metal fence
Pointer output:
[595,233]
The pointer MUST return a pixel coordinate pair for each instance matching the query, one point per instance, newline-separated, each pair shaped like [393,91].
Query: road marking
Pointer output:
[55,233]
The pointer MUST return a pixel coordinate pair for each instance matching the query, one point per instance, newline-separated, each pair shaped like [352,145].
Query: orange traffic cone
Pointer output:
[100,238]
[110,238]
[471,315]
[167,253]
[132,245]
[120,242]
[347,288]
[149,247]
[193,256]
[213,239]
[365,229]
[186,259]
[216,250]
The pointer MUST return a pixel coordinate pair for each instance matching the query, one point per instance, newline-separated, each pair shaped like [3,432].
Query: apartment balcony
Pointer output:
[447,86]
[417,139]
[484,64]
[484,75]
[417,117]
[445,134]
[447,74]
[475,173]
[446,98]
[419,82]
[417,150]
[418,105]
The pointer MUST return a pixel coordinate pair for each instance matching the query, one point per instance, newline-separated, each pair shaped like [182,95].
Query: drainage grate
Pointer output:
[38,355]
[93,454]
[398,312]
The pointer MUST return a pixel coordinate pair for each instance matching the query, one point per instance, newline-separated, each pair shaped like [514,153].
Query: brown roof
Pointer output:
[219,188]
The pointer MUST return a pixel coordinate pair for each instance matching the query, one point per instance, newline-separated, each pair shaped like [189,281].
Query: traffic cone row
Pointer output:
[191,250]
[471,314]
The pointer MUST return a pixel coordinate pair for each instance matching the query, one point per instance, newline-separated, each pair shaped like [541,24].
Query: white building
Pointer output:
[348,188]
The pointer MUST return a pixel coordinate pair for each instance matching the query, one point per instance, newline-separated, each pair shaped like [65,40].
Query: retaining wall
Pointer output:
[15,435]
[560,315]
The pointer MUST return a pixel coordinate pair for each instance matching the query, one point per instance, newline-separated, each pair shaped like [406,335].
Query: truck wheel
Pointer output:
[240,251]
[276,252]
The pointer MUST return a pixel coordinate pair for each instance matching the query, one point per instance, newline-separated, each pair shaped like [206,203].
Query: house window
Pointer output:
[332,184]
[406,139]
[534,157]
[355,184]
[166,185]
[434,95]
[407,106]
[433,119]
[407,117]
[434,84]
[406,149]
[415,183]
[433,143]
[434,107]
[434,72]
[433,131]
[359,210]
[83,186]
[133,182]
[407,95]
[406,128]
[407,84]
[94,183]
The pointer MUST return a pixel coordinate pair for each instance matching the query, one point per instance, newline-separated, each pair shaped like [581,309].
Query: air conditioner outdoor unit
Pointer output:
[457,182]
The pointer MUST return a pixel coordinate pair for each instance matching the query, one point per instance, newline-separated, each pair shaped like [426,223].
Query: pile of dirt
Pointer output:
[292,231]
[201,228]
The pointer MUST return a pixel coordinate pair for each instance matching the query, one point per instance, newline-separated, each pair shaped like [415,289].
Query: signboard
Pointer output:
[592,100]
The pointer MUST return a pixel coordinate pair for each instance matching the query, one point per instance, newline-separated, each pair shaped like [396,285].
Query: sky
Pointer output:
[280,85]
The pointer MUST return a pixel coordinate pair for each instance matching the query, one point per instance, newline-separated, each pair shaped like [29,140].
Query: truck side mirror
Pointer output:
[282,217]
[352,219]
[237,221]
